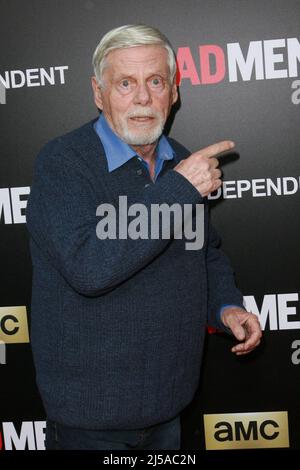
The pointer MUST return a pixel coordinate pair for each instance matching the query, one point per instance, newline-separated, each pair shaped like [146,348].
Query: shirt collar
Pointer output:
[118,152]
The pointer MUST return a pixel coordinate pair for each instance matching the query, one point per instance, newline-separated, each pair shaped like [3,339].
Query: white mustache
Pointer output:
[143,113]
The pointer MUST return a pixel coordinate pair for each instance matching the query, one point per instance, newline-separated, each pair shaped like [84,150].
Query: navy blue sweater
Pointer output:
[117,326]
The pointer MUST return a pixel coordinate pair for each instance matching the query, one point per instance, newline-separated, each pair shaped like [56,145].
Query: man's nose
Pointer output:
[142,94]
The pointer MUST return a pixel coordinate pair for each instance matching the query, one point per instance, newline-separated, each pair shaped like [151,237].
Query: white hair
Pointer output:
[131,36]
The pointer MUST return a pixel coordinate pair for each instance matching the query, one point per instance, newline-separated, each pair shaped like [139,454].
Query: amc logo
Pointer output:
[13,325]
[246,430]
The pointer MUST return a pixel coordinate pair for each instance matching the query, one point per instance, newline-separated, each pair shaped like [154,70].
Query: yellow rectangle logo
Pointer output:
[246,430]
[14,325]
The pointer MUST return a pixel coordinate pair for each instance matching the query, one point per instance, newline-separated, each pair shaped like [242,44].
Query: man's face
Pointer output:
[136,96]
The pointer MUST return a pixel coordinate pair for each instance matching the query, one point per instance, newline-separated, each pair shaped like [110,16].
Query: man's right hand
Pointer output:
[201,170]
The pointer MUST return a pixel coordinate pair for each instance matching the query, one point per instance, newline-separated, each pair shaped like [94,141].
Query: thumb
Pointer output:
[238,331]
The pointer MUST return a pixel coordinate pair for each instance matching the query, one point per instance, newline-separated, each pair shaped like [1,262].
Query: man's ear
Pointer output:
[97,93]
[174,93]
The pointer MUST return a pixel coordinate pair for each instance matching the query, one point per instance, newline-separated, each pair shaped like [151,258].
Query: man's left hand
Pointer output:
[245,327]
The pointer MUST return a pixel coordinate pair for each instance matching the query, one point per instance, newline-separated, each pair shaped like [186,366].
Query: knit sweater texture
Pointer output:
[117,326]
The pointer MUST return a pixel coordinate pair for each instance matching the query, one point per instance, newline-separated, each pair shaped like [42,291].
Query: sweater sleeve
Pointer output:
[222,289]
[61,220]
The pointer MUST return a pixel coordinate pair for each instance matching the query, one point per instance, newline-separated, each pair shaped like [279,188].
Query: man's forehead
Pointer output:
[132,56]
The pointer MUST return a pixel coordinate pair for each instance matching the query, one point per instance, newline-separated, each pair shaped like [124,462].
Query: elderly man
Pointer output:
[118,322]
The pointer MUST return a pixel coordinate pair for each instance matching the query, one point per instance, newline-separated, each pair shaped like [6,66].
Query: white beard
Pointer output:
[142,136]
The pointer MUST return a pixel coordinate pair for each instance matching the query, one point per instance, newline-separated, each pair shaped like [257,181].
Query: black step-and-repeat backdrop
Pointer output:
[239,63]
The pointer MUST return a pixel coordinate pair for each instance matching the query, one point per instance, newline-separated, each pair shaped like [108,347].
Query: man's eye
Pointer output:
[156,81]
[125,83]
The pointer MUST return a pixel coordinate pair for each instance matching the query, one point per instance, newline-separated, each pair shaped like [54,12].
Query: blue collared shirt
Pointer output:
[118,152]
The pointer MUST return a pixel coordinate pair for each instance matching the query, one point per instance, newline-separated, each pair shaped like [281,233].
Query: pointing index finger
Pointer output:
[217,149]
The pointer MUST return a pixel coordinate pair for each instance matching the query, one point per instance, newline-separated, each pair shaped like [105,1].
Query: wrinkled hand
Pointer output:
[245,327]
[201,170]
